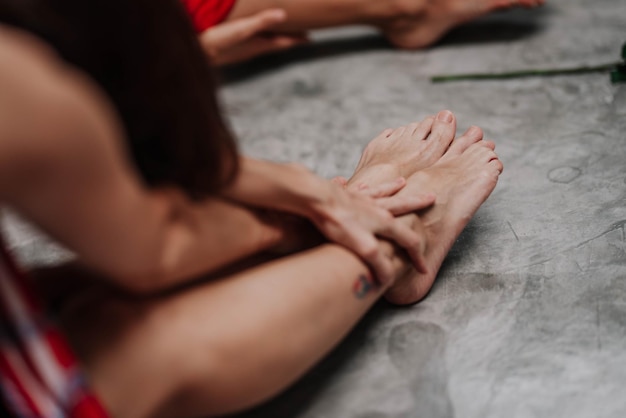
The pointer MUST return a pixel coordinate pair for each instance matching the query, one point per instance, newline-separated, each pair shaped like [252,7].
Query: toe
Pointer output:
[489,144]
[423,129]
[410,130]
[397,133]
[480,152]
[496,165]
[443,130]
[473,135]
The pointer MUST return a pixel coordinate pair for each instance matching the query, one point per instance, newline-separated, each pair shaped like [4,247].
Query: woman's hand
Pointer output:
[351,218]
[355,218]
[248,37]
[387,196]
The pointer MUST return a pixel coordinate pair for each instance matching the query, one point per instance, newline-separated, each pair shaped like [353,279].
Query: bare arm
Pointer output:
[316,14]
[63,165]
[353,219]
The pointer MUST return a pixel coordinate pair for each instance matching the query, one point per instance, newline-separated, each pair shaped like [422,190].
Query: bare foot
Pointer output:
[403,151]
[425,21]
[461,172]
[462,180]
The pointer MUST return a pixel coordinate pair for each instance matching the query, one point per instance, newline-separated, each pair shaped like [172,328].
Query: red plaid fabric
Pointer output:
[207,13]
[39,374]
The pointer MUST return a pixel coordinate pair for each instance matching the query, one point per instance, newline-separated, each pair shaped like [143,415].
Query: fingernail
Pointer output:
[445,116]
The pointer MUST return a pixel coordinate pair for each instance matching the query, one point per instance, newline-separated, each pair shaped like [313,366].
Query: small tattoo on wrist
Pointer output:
[363,286]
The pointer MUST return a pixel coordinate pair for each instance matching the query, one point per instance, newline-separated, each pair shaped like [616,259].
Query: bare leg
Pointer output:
[224,345]
[406,23]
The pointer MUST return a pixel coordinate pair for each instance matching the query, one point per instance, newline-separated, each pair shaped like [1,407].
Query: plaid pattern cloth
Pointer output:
[39,374]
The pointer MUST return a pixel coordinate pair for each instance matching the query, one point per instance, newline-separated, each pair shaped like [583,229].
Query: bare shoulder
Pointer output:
[31,84]
[24,60]
[50,113]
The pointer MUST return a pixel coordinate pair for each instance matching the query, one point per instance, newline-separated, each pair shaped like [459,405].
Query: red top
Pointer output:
[207,13]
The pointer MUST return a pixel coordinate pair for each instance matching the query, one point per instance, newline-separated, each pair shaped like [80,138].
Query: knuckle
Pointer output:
[369,251]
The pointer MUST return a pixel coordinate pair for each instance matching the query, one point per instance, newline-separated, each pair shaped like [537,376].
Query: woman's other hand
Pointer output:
[249,37]
[356,218]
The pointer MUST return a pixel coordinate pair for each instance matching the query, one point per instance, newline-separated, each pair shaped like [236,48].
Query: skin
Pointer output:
[206,348]
[245,38]
[463,172]
[410,24]
[211,369]
[159,238]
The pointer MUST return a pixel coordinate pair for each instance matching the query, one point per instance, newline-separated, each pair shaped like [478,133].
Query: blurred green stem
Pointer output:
[526,73]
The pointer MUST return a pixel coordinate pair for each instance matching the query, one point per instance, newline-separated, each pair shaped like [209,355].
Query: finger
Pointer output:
[252,48]
[280,42]
[249,26]
[387,189]
[232,33]
[413,241]
[401,205]
[368,250]
[300,36]
[340,181]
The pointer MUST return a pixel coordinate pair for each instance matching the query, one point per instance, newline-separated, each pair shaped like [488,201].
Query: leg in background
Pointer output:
[406,23]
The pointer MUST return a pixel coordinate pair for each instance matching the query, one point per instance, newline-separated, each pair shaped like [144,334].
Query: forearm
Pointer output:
[315,14]
[215,233]
[204,237]
[287,187]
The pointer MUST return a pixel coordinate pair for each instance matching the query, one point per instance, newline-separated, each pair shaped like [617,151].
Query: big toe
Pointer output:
[443,131]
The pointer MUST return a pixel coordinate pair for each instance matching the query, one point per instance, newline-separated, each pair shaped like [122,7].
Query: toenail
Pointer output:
[445,116]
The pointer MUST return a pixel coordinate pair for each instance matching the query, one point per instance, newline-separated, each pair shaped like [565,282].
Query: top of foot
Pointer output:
[403,151]
[421,23]
[462,180]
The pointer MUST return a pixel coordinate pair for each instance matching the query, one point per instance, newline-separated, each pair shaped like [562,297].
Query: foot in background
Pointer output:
[426,21]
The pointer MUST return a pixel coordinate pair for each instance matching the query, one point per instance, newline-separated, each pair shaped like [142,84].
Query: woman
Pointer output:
[179,210]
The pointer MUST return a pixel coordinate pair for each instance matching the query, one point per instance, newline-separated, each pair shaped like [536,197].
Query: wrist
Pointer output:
[284,233]
[312,195]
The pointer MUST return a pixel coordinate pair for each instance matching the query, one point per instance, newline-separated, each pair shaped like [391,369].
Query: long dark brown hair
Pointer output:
[146,57]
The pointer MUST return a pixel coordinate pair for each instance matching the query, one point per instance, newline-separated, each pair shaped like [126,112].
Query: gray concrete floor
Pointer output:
[528,315]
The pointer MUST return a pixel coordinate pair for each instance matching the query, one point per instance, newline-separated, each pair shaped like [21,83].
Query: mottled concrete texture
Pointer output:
[528,315]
